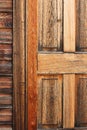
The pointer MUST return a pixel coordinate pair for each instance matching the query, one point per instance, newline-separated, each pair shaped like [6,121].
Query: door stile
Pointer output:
[32,63]
[69,79]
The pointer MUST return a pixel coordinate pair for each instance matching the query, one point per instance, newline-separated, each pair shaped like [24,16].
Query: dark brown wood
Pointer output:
[19,64]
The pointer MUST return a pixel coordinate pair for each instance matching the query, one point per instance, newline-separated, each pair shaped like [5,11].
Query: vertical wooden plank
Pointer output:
[32,63]
[69,25]
[69,101]
[19,64]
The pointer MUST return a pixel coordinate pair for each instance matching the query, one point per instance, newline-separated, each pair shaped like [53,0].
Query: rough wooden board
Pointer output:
[62,63]
[69,25]
[5,5]
[19,64]
[6,36]
[69,101]
[5,20]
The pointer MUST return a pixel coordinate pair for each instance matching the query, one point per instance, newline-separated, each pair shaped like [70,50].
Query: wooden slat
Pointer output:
[50,24]
[5,20]
[5,5]
[19,64]
[5,52]
[69,101]
[5,128]
[32,63]
[69,25]
[5,36]
[62,63]
[5,67]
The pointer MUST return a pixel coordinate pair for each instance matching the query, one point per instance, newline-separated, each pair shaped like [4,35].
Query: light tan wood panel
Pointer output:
[69,101]
[50,101]
[50,24]
[62,63]
[69,25]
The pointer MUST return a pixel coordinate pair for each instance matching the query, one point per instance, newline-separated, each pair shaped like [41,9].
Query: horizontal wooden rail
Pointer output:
[62,63]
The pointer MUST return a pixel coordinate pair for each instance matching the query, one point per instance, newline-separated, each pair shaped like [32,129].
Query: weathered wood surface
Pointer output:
[5,101]
[81,100]
[50,24]
[5,20]
[81,11]
[5,52]
[5,5]
[6,36]
[50,101]
[69,25]
[19,46]
[62,63]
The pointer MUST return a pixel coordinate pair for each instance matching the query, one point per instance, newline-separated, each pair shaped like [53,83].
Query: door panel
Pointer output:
[49,101]
[57,68]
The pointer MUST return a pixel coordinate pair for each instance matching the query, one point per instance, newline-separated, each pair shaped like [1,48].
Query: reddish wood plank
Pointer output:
[32,63]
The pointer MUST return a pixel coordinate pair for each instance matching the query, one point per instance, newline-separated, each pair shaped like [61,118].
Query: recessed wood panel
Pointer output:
[50,14]
[5,20]
[5,5]
[81,101]
[50,101]
[81,25]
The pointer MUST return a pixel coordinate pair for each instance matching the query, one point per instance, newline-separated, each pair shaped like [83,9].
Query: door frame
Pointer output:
[19,65]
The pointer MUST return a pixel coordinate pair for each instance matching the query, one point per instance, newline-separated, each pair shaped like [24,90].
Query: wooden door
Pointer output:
[57,64]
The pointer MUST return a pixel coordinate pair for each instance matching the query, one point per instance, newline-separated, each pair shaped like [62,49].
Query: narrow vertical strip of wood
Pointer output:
[69,101]
[19,64]
[69,25]
[32,63]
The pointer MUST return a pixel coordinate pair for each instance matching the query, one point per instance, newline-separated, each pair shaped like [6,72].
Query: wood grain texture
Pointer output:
[69,101]
[32,63]
[5,36]
[50,24]
[62,63]
[5,20]
[49,101]
[81,100]
[5,67]
[81,25]
[5,5]
[19,64]
[5,52]
[69,25]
